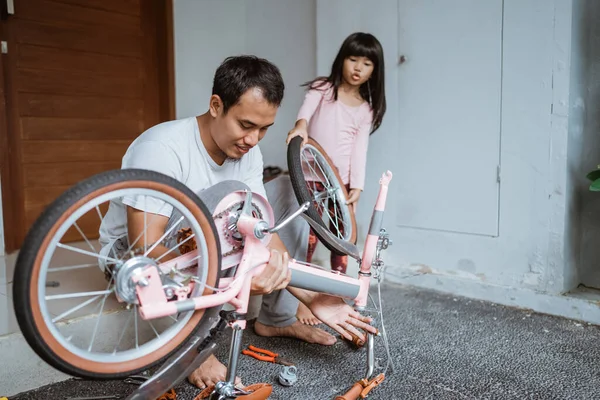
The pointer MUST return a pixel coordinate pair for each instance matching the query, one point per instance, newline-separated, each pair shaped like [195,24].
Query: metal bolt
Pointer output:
[288,377]
[143,282]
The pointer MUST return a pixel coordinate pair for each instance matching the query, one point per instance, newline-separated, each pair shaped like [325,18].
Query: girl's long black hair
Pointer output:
[360,44]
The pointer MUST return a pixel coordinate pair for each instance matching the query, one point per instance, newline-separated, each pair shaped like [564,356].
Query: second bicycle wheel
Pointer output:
[315,179]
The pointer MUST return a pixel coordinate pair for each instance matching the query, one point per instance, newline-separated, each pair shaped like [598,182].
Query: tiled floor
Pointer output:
[84,279]
[8,322]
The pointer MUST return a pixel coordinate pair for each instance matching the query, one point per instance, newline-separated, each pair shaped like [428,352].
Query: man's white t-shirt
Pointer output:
[175,149]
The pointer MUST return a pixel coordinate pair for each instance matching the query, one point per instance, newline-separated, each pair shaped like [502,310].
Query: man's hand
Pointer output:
[275,276]
[338,315]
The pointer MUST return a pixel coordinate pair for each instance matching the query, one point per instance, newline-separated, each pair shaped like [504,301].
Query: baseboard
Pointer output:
[580,308]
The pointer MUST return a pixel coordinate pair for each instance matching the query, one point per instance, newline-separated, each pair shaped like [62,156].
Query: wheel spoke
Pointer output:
[309,164]
[99,213]
[135,312]
[163,237]
[87,253]
[76,295]
[123,333]
[176,246]
[153,329]
[145,222]
[100,315]
[143,233]
[76,308]
[325,175]
[85,237]
[72,267]
[334,219]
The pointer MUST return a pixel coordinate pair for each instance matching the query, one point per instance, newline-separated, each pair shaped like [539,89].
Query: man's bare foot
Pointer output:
[305,316]
[297,330]
[209,373]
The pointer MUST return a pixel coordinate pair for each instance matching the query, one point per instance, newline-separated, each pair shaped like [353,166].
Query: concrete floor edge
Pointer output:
[585,310]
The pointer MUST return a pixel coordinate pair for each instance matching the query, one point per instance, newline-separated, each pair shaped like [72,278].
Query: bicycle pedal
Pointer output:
[257,391]
[356,341]
[170,395]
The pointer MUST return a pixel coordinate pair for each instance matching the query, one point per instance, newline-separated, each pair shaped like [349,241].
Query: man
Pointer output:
[219,145]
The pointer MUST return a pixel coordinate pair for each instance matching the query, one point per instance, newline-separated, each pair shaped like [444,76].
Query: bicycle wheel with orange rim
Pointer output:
[315,179]
[85,322]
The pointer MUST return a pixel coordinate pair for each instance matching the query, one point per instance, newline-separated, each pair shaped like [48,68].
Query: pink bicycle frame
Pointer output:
[236,291]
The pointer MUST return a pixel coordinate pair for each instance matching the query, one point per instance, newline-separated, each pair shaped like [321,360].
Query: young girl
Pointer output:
[340,112]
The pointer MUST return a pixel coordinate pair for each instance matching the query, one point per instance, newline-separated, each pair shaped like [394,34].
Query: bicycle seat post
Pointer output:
[234,352]
[226,389]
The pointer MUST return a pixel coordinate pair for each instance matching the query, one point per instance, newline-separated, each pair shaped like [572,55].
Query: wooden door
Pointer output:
[82,79]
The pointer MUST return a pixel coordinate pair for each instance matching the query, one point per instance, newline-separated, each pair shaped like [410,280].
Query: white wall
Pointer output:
[208,31]
[529,252]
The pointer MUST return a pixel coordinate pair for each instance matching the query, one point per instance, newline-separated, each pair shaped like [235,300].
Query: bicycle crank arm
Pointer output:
[261,228]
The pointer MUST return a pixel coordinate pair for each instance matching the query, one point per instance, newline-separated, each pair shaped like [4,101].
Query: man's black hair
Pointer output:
[238,74]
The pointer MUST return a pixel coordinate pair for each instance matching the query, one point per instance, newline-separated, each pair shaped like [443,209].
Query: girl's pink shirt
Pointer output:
[342,131]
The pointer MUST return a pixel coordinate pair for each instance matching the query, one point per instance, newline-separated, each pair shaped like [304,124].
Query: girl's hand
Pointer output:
[339,316]
[353,197]
[298,130]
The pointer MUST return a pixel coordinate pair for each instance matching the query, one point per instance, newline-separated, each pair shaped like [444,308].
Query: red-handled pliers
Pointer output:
[265,355]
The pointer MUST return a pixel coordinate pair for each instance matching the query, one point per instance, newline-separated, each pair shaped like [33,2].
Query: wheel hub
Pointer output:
[124,284]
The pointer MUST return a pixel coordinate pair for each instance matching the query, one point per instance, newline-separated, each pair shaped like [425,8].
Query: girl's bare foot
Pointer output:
[296,330]
[305,316]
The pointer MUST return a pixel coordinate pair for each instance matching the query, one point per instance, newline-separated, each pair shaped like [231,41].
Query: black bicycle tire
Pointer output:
[294,162]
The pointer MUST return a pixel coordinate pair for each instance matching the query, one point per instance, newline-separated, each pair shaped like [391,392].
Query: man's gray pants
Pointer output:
[279,308]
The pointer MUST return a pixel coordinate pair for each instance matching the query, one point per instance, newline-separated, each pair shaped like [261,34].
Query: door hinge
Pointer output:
[4,46]
[7,8]
[498,173]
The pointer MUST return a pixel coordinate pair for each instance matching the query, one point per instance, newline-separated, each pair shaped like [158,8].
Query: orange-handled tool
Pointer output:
[170,395]
[361,389]
[265,355]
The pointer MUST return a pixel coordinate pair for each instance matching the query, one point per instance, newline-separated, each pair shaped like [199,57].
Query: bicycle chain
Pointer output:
[214,334]
[226,228]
